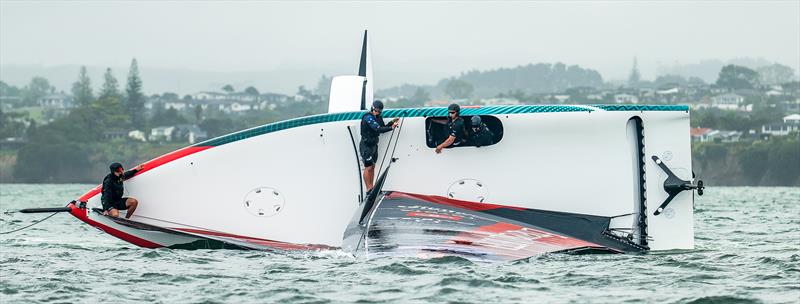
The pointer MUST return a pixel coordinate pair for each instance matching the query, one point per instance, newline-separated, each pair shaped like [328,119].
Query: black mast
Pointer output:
[362,71]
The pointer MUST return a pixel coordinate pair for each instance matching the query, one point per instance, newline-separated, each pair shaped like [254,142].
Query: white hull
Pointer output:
[305,176]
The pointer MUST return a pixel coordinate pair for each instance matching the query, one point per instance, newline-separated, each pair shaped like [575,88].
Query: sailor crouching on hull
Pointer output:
[372,126]
[113,190]
[480,135]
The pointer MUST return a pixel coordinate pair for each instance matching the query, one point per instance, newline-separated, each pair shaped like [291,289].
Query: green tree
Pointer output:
[38,88]
[753,161]
[218,126]
[135,98]
[251,91]
[168,117]
[420,97]
[108,107]
[784,160]
[323,86]
[198,113]
[110,87]
[458,89]
[169,96]
[737,77]
[669,81]
[775,74]
[305,93]
[12,124]
[228,89]
[8,90]
[635,76]
[82,89]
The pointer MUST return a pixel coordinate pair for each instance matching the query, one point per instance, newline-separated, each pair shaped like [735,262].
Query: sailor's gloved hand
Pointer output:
[138,168]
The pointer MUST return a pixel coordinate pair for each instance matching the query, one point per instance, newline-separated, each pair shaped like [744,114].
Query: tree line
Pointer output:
[773,162]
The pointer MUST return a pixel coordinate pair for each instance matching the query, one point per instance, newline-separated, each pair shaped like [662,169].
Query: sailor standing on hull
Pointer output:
[372,126]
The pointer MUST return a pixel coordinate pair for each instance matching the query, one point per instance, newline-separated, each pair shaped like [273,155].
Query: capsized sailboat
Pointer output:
[610,178]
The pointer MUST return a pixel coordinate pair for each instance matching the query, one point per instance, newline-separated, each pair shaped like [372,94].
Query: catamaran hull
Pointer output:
[296,184]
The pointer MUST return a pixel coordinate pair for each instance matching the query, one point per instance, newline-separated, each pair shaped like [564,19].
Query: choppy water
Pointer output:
[748,251]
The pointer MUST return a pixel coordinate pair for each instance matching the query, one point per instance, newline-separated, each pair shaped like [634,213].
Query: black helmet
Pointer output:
[454,107]
[476,121]
[377,105]
[115,166]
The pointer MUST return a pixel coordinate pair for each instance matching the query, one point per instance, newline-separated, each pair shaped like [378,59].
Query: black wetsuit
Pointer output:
[456,129]
[113,190]
[483,137]
[371,127]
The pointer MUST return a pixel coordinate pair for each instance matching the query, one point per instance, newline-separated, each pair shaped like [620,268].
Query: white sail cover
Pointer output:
[346,94]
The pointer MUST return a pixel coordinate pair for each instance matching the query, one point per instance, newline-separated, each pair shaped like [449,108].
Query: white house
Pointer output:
[728,101]
[240,107]
[561,98]
[626,98]
[192,133]
[137,135]
[793,119]
[161,133]
[56,101]
[499,101]
[243,97]
[208,96]
[669,91]
[594,96]
[176,104]
[791,123]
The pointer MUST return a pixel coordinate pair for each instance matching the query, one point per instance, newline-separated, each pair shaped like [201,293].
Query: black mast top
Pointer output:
[362,71]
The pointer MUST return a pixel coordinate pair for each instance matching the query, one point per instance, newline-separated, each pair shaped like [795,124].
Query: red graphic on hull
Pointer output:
[81,215]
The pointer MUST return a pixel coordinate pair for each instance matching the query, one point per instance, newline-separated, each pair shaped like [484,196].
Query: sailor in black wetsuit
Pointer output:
[372,126]
[113,190]
[481,135]
[457,134]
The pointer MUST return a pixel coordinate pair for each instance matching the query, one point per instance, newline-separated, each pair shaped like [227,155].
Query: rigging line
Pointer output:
[26,227]
[396,140]
[358,164]
[384,152]
[176,223]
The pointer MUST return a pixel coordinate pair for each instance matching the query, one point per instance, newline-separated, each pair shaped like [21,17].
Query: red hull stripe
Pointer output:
[451,202]
[81,215]
[150,165]
[256,241]
[163,159]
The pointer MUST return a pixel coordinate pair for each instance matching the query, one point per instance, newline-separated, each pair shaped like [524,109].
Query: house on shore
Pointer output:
[791,123]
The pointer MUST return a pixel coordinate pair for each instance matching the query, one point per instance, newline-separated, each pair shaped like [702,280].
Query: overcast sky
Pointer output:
[413,42]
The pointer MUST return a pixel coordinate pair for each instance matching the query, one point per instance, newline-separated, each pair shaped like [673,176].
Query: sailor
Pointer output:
[372,126]
[457,133]
[481,135]
[113,190]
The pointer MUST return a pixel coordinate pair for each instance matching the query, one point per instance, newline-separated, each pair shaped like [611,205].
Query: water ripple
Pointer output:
[747,251]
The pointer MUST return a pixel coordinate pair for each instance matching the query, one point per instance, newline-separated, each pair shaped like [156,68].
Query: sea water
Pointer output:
[747,251]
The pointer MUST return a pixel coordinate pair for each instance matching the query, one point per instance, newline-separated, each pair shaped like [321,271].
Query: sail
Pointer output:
[353,93]
[365,70]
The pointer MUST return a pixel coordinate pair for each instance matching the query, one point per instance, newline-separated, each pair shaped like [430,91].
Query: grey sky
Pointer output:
[412,42]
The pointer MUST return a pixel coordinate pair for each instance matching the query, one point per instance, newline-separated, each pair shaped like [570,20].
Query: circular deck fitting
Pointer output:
[471,190]
[264,202]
